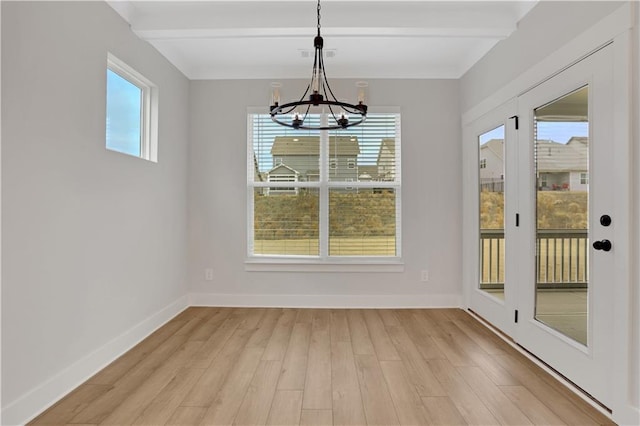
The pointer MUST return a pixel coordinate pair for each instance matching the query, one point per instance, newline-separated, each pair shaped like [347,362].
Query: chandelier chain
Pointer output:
[318,17]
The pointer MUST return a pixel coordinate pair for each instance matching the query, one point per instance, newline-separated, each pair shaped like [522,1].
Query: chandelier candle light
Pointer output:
[320,93]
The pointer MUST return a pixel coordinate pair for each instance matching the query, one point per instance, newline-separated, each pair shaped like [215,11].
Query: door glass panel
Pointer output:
[561,134]
[491,172]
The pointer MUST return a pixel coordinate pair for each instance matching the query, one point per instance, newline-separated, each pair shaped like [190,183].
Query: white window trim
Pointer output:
[150,104]
[324,262]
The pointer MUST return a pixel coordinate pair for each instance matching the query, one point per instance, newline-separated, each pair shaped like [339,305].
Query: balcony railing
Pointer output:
[561,258]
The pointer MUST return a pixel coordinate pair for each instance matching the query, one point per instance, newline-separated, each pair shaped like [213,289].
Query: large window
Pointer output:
[131,111]
[324,195]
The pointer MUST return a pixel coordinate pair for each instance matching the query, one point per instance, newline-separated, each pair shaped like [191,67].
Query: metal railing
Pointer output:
[561,258]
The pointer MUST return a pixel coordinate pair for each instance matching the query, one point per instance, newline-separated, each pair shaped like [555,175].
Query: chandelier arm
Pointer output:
[324,74]
[306,112]
[332,113]
[304,95]
[289,111]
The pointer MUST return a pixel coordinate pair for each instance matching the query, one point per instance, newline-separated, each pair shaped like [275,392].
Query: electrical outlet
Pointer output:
[424,275]
[208,274]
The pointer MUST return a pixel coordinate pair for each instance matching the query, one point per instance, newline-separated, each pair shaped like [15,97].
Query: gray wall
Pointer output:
[548,26]
[431,197]
[93,241]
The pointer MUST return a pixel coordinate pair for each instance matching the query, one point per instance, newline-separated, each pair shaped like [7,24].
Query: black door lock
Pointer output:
[605,220]
[604,245]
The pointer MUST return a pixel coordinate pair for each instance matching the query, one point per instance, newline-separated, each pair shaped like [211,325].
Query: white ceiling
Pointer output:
[239,39]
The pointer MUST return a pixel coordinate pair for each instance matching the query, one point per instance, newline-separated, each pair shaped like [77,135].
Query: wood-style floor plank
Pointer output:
[136,401]
[294,367]
[279,341]
[385,351]
[440,410]
[163,406]
[277,366]
[419,372]
[551,396]
[186,416]
[102,407]
[500,406]
[534,409]
[405,398]
[339,326]
[206,389]
[72,404]
[376,399]
[225,406]
[347,399]
[316,418]
[212,346]
[317,389]
[418,329]
[285,408]
[360,338]
[463,397]
[257,401]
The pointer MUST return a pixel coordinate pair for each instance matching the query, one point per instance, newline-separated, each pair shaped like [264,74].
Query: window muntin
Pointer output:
[131,111]
[353,175]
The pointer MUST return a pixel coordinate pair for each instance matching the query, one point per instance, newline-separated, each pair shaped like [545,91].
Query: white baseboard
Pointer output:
[38,399]
[326,301]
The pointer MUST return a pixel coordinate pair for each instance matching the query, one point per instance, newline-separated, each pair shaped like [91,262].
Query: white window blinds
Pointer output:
[324,194]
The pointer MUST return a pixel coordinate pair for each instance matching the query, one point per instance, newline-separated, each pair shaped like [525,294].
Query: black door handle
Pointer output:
[602,245]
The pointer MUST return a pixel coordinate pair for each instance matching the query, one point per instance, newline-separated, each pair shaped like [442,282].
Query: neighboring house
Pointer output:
[492,165]
[299,156]
[560,166]
[282,173]
[563,166]
[387,160]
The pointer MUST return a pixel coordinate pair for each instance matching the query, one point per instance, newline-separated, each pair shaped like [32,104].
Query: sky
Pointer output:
[123,115]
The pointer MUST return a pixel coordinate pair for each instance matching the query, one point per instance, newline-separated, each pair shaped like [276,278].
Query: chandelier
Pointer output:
[294,114]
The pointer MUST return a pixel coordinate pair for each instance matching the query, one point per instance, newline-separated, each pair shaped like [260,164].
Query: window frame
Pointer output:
[584,178]
[148,108]
[324,262]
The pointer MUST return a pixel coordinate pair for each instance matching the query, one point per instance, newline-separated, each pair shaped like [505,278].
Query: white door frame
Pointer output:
[493,310]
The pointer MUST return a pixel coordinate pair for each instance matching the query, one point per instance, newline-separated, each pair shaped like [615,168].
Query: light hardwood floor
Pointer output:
[251,366]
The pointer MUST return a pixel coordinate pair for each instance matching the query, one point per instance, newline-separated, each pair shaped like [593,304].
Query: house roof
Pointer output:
[495,146]
[310,145]
[389,144]
[557,157]
[283,169]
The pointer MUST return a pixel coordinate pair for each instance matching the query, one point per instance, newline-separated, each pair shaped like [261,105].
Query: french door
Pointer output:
[545,220]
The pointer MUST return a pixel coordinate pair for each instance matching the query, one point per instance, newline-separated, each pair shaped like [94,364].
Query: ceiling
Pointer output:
[363,39]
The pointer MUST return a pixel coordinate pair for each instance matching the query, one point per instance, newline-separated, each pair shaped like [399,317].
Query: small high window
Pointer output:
[131,111]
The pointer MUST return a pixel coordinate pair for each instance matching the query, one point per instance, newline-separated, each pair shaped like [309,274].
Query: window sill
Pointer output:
[271,264]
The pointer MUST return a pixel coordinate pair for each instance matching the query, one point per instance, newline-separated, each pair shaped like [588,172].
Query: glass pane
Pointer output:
[562,213]
[365,153]
[284,155]
[286,222]
[491,170]
[124,115]
[362,222]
